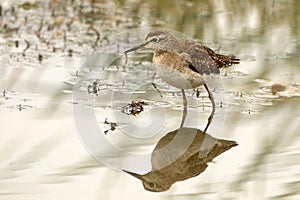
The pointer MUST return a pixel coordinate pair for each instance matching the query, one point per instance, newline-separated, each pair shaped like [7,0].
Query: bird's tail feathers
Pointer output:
[227,60]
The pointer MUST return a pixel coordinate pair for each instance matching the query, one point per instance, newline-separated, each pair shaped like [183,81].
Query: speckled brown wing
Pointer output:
[199,57]
[204,60]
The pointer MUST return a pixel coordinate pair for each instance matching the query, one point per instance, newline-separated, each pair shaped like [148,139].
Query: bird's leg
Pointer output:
[184,108]
[153,76]
[155,87]
[211,97]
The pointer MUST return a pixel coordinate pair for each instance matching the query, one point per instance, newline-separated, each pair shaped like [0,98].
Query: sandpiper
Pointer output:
[183,63]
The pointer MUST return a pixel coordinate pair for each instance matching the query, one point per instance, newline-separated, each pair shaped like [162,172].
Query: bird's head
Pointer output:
[158,40]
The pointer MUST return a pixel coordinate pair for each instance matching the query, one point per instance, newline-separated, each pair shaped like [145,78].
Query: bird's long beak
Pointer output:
[138,176]
[136,47]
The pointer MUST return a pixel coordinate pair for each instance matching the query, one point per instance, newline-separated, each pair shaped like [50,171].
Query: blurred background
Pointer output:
[44,43]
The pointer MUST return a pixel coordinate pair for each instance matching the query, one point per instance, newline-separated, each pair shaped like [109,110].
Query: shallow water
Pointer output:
[44,46]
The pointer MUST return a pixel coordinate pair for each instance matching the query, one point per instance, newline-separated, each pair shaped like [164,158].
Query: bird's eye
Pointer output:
[152,185]
[155,39]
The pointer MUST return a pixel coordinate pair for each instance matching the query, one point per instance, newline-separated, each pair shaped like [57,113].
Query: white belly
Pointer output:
[185,79]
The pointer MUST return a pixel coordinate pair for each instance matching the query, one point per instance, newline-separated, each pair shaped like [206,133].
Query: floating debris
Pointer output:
[197,91]
[94,88]
[280,90]
[70,52]
[40,58]
[17,43]
[97,35]
[250,112]
[134,108]
[277,88]
[20,107]
[26,48]
[112,125]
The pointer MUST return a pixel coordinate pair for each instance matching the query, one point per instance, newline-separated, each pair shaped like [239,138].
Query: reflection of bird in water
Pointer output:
[182,63]
[180,155]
